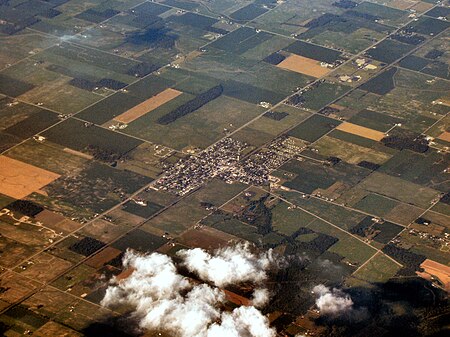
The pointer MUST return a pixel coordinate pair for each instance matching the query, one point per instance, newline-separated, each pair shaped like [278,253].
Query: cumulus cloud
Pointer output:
[261,297]
[162,299]
[332,301]
[229,265]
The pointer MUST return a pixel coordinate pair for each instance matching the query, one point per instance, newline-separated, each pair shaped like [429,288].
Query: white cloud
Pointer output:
[230,265]
[261,297]
[165,300]
[332,301]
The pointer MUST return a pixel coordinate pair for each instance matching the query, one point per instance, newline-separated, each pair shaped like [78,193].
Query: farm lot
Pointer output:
[147,106]
[55,329]
[321,177]
[289,17]
[408,103]
[339,216]
[207,238]
[354,41]
[270,123]
[313,128]
[74,134]
[44,267]
[15,47]
[304,65]
[361,131]
[353,250]
[187,212]
[287,220]
[323,94]
[20,179]
[434,269]
[17,287]
[111,186]
[37,84]
[398,189]
[378,269]
[198,129]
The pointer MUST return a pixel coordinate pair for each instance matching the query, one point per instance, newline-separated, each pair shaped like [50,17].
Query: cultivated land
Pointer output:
[437,270]
[19,179]
[304,65]
[361,131]
[445,136]
[147,106]
[166,125]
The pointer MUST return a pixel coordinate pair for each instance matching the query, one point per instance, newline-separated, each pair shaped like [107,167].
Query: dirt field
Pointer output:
[49,218]
[445,136]
[402,4]
[206,238]
[337,106]
[304,65]
[57,222]
[18,179]
[441,271]
[45,267]
[445,101]
[361,131]
[188,57]
[422,6]
[147,106]
[403,214]
[55,329]
[236,299]
[17,287]
[125,274]
[106,255]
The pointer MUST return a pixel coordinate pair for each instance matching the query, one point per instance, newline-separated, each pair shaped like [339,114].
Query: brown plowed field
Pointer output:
[361,131]
[304,65]
[441,271]
[19,179]
[445,136]
[147,106]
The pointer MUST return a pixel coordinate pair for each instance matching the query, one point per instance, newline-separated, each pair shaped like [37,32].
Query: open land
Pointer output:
[361,131]
[20,179]
[304,65]
[435,269]
[147,106]
[317,129]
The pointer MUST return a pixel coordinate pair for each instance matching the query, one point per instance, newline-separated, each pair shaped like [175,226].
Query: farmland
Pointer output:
[316,130]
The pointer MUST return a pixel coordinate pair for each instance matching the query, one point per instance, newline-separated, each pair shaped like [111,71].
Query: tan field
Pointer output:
[18,179]
[445,136]
[49,218]
[337,106]
[188,57]
[441,271]
[443,100]
[206,238]
[361,131]
[304,65]
[147,106]
[422,6]
[402,4]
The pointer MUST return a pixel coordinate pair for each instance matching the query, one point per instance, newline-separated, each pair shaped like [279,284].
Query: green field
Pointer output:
[378,269]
